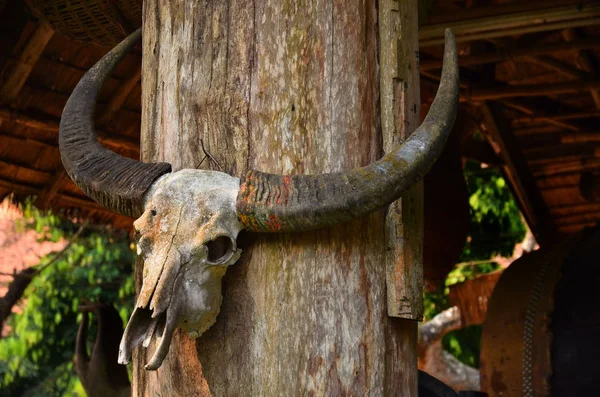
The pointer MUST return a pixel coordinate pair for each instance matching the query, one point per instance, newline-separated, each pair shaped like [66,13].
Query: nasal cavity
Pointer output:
[219,249]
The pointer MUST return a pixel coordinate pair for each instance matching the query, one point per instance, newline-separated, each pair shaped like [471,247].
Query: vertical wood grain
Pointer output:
[289,86]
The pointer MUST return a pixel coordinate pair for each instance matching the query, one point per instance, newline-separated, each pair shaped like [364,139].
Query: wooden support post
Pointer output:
[27,60]
[283,88]
[517,171]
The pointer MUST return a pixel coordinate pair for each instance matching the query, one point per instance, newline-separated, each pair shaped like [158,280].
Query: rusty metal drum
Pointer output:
[540,334]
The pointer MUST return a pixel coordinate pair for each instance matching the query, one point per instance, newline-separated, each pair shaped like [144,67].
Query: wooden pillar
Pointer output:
[287,87]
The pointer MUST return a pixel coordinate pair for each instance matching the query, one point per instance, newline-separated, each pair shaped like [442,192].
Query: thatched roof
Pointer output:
[530,80]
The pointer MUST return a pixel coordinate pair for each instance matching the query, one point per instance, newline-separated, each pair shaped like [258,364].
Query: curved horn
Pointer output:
[115,182]
[276,203]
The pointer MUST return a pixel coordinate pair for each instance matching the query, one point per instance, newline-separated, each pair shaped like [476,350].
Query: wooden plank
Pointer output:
[505,54]
[25,64]
[400,116]
[517,171]
[518,23]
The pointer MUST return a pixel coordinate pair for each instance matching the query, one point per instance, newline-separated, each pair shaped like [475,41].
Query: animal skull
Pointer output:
[189,220]
[187,239]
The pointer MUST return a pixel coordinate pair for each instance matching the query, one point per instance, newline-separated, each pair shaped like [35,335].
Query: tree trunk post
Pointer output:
[288,87]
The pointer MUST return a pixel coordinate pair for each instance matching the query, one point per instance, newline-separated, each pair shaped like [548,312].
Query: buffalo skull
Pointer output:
[188,221]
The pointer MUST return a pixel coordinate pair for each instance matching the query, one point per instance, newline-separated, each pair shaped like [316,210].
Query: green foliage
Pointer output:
[496,227]
[496,224]
[37,357]
[464,344]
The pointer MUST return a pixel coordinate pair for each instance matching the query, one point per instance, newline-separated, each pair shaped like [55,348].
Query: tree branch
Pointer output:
[437,362]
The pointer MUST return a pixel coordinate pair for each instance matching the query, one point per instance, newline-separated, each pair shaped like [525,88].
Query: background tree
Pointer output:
[36,358]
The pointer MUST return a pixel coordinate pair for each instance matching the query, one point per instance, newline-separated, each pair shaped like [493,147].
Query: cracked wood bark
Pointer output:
[288,87]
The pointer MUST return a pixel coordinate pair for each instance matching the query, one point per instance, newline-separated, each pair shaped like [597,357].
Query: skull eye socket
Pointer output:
[220,250]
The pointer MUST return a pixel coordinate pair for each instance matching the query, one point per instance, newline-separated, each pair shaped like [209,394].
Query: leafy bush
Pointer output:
[36,359]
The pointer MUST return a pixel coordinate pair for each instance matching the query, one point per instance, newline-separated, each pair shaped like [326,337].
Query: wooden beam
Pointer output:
[578,219]
[533,112]
[584,61]
[25,64]
[496,10]
[529,90]
[121,95]
[518,23]
[566,167]
[66,200]
[517,171]
[505,54]
[580,137]
[11,167]
[13,21]
[575,209]
[539,118]
[466,88]
[48,195]
[562,150]
[558,66]
[50,124]
[570,229]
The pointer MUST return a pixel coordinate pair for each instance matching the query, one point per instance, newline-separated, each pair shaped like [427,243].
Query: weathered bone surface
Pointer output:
[187,239]
[190,219]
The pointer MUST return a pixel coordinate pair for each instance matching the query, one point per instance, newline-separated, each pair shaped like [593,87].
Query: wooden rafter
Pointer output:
[24,65]
[558,66]
[505,100]
[13,19]
[495,10]
[529,90]
[584,61]
[518,23]
[518,121]
[50,193]
[121,95]
[64,200]
[517,171]
[566,167]
[504,54]
[50,124]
